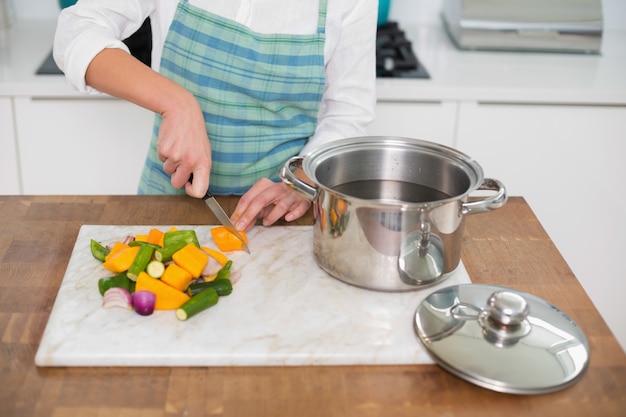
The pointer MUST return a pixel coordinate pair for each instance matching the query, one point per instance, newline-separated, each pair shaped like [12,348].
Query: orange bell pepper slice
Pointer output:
[117,247]
[155,236]
[191,258]
[217,255]
[226,241]
[176,276]
[121,260]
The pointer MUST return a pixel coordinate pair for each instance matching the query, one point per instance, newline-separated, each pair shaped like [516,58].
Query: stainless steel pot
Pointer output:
[389,211]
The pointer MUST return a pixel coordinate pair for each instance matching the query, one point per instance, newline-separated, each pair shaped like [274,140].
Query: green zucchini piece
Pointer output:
[155,269]
[165,253]
[223,286]
[174,241]
[98,251]
[119,280]
[198,303]
[143,257]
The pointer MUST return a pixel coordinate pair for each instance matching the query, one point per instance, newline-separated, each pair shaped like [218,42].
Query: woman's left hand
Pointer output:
[269,201]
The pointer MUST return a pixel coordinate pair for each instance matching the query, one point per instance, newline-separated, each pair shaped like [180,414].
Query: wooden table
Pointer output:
[506,247]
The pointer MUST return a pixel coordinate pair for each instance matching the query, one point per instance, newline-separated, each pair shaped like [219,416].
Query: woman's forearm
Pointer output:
[182,145]
[117,73]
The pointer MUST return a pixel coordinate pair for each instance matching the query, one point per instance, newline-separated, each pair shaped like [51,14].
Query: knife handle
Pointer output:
[208,193]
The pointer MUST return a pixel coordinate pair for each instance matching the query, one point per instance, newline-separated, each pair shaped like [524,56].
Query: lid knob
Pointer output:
[504,318]
[507,308]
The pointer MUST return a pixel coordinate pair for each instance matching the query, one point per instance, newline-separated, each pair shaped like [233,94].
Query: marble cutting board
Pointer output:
[283,311]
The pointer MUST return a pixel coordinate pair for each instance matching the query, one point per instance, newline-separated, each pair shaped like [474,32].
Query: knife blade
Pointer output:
[221,215]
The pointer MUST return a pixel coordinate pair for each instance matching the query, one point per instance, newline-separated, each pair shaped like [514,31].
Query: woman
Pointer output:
[238,87]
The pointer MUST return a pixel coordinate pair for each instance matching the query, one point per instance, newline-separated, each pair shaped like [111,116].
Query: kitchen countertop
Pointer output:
[506,247]
[456,75]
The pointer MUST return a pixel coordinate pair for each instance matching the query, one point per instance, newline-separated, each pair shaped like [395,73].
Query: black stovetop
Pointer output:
[395,57]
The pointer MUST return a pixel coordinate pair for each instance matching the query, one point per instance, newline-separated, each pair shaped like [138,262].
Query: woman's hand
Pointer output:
[269,201]
[184,148]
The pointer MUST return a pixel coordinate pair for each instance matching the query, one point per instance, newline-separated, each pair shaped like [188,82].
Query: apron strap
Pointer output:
[321,17]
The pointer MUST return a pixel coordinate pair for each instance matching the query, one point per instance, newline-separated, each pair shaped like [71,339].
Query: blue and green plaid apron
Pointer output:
[260,95]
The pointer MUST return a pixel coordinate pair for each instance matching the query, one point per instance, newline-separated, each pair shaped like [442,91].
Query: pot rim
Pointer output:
[472,169]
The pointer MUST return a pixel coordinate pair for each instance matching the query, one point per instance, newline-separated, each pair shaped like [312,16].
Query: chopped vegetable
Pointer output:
[121,260]
[165,253]
[167,297]
[119,280]
[225,271]
[141,238]
[117,247]
[191,258]
[199,302]
[217,255]
[226,241]
[222,286]
[155,269]
[98,251]
[144,243]
[173,241]
[156,237]
[143,302]
[143,257]
[211,268]
[117,297]
[176,277]
[176,236]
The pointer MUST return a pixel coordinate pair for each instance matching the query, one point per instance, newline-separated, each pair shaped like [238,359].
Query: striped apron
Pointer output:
[260,95]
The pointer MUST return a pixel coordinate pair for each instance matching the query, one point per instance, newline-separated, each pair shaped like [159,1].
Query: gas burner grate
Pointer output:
[394,54]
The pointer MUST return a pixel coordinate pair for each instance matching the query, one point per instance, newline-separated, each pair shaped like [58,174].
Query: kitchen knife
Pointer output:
[223,218]
[221,215]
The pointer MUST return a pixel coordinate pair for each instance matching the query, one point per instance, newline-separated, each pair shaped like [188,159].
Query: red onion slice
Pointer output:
[117,297]
[143,302]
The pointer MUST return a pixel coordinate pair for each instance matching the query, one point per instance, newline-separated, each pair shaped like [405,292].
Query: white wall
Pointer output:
[36,9]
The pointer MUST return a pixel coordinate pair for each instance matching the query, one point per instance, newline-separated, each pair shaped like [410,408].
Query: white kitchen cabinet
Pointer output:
[9,168]
[568,162]
[81,145]
[428,120]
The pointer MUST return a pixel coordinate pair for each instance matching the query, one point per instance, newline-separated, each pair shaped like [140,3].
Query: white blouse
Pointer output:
[349,98]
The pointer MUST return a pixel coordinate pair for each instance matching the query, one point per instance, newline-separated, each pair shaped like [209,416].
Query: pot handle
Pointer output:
[489,203]
[288,175]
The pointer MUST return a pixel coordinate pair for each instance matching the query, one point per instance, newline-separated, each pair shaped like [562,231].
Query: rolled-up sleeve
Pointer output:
[90,26]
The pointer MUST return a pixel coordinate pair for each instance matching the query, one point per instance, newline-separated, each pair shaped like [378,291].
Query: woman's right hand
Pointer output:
[183,145]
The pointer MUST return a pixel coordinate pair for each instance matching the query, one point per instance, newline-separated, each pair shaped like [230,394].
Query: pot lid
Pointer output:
[502,339]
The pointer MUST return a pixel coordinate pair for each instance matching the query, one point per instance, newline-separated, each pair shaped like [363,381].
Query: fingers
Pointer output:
[169,166]
[269,201]
[298,210]
[184,148]
[180,176]
[200,184]
[252,203]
